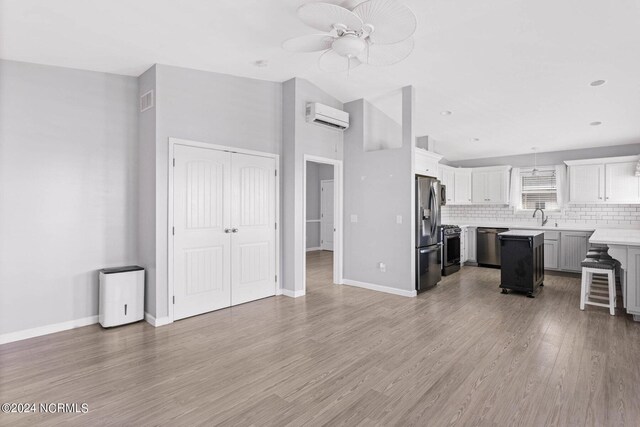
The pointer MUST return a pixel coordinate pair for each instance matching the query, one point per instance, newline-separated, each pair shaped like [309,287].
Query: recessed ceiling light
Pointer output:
[595,123]
[597,82]
[446,113]
[261,63]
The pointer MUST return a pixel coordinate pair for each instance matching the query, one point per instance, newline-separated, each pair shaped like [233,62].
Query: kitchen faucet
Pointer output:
[544,220]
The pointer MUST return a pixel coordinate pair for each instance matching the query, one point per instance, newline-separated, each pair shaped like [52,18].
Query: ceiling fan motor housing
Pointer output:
[349,45]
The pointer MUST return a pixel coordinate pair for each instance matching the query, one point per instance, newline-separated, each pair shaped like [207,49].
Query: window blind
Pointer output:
[540,190]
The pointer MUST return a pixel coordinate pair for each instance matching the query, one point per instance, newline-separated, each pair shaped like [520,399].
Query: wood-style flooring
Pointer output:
[459,354]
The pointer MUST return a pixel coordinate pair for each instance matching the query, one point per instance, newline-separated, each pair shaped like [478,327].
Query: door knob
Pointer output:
[227,230]
[234,230]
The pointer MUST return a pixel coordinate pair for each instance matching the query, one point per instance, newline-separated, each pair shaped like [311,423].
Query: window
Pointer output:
[539,190]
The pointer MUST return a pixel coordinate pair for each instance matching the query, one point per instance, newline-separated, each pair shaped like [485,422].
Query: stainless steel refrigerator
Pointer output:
[429,196]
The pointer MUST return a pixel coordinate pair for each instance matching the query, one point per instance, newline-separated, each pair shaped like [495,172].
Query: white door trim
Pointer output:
[178,141]
[337,217]
[323,181]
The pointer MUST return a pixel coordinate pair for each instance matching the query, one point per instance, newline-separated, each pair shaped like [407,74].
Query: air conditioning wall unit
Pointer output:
[324,115]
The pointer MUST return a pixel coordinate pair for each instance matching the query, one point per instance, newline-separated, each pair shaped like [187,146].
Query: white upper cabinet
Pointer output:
[458,183]
[479,187]
[462,195]
[610,180]
[586,183]
[426,163]
[622,184]
[448,179]
[491,185]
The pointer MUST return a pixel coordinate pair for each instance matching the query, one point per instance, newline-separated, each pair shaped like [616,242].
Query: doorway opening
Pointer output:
[322,245]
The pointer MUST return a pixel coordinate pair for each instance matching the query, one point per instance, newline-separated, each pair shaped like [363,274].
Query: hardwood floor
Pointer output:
[459,354]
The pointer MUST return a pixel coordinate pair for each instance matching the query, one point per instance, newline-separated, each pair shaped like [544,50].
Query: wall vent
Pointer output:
[146,101]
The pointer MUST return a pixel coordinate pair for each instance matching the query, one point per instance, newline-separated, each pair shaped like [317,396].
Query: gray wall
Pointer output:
[147,190]
[316,172]
[206,107]
[382,131]
[300,138]
[377,188]
[551,157]
[287,216]
[68,189]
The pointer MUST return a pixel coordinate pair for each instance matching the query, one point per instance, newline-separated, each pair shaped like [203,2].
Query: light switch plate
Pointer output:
[398,219]
[354,218]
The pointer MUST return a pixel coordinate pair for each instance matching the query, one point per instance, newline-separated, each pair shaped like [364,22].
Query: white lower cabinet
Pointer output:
[633,281]
[470,245]
[573,249]
[551,250]
[463,245]
[551,254]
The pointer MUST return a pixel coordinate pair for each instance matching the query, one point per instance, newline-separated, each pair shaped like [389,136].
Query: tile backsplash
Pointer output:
[578,214]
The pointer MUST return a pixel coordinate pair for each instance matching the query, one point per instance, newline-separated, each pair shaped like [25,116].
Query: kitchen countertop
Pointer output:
[533,227]
[616,236]
[519,233]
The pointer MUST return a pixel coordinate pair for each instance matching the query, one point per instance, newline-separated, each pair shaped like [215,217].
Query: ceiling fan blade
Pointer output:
[332,62]
[324,16]
[386,54]
[391,20]
[309,43]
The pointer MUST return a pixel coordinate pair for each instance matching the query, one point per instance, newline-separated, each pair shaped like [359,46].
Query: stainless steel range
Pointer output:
[450,249]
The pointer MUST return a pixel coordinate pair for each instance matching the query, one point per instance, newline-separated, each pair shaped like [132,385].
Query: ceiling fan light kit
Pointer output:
[375,32]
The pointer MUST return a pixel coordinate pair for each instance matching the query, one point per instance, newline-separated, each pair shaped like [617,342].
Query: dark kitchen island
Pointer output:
[522,253]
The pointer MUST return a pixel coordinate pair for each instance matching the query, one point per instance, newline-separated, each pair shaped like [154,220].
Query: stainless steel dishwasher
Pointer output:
[488,245]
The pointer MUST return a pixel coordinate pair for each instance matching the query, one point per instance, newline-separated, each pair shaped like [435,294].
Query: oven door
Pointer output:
[451,250]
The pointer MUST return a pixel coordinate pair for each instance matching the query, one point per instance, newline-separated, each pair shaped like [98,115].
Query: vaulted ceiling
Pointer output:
[514,73]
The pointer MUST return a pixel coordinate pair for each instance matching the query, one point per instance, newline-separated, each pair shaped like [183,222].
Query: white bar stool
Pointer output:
[598,280]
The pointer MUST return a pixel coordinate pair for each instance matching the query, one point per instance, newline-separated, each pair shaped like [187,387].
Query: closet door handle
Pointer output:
[234,230]
[227,230]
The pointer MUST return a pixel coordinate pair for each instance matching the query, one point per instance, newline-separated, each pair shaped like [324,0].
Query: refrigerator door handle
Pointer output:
[431,248]
[436,211]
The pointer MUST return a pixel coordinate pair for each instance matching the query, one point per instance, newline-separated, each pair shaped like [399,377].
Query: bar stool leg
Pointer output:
[612,293]
[615,289]
[583,288]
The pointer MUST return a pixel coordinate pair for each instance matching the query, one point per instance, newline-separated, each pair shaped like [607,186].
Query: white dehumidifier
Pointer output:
[121,295]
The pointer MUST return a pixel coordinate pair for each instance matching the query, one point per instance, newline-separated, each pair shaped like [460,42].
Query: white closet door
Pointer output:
[326,215]
[202,248]
[253,214]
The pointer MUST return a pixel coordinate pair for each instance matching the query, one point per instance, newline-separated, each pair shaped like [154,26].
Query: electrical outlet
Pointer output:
[382,267]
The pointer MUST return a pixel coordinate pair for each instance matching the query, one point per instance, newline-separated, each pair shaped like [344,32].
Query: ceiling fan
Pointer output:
[374,32]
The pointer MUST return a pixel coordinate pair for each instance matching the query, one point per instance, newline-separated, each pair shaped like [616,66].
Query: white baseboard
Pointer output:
[48,329]
[292,294]
[156,322]
[380,288]
[314,249]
